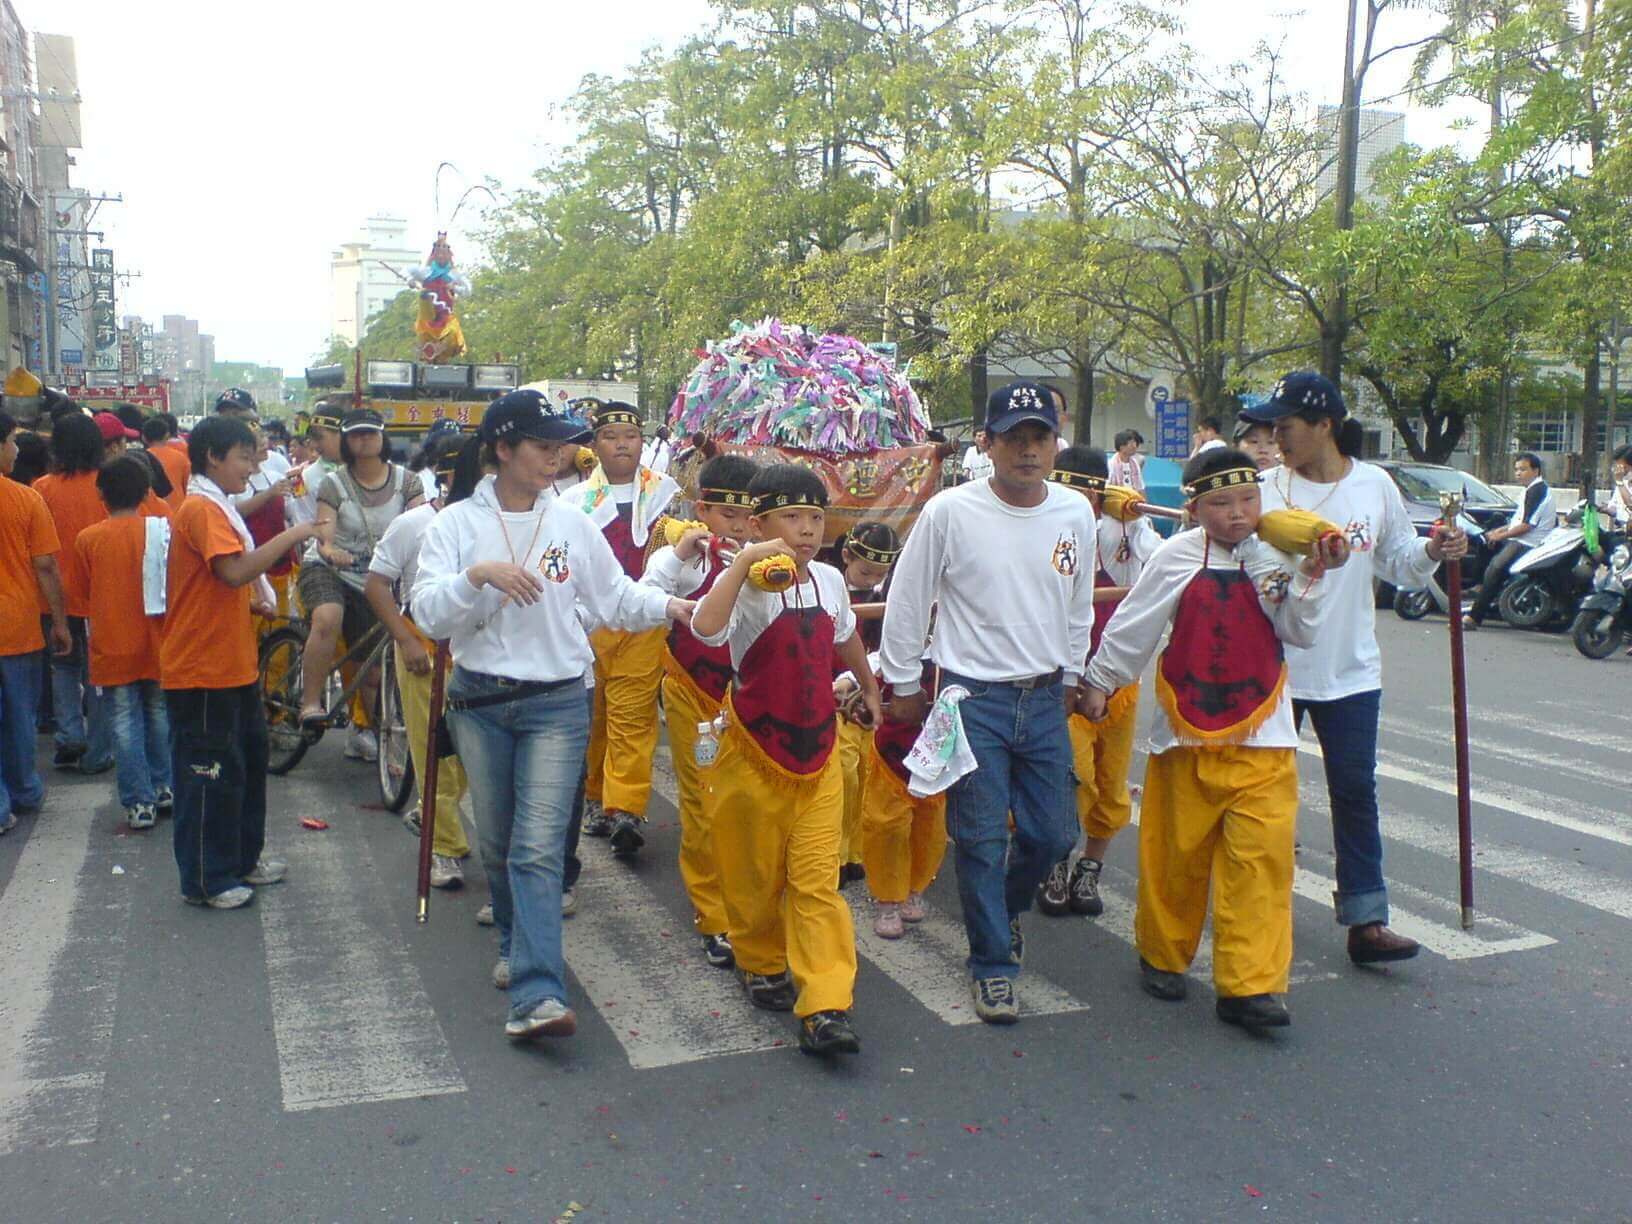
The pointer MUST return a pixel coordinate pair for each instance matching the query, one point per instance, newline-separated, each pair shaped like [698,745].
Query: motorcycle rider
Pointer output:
[1533,521]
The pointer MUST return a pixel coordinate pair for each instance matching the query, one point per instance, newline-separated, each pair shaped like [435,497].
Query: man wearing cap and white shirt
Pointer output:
[1534,519]
[1338,681]
[1007,564]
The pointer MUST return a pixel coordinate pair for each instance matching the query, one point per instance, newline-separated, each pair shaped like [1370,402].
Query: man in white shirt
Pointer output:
[1533,521]
[658,454]
[1007,564]
[1209,435]
[977,464]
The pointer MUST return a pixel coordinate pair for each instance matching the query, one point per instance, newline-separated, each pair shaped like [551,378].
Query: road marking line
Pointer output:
[42,1102]
[1530,760]
[1517,800]
[930,963]
[1573,882]
[661,999]
[350,1014]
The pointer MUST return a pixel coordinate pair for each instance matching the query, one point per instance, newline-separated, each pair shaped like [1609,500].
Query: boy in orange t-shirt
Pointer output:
[124,638]
[28,574]
[208,669]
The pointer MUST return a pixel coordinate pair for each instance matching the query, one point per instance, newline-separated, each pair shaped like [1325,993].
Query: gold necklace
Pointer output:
[1286,492]
[538,525]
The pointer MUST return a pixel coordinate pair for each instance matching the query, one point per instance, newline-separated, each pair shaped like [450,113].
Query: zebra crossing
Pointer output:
[351,989]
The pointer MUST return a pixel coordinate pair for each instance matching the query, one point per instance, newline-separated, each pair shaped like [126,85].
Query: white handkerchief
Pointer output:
[941,753]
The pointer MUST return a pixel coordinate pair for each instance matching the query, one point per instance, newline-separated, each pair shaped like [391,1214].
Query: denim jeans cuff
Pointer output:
[526,1009]
[1361,909]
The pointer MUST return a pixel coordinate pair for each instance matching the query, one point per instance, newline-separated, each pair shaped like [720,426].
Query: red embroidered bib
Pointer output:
[783,692]
[708,666]
[631,556]
[1223,670]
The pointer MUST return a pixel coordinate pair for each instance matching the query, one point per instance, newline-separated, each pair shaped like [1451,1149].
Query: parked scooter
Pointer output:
[1605,618]
[1414,605]
[1547,582]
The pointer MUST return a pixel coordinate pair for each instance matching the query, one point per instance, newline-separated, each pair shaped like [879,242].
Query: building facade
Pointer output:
[369,271]
[23,302]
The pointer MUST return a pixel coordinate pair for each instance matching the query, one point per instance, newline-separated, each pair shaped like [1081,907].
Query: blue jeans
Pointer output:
[1023,765]
[218,749]
[82,716]
[20,782]
[523,760]
[574,865]
[1347,730]
[141,740]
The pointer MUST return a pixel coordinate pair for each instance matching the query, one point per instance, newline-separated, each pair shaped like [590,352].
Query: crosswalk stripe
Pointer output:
[1573,733]
[1529,760]
[1518,800]
[649,982]
[929,962]
[51,1070]
[1582,885]
[350,1015]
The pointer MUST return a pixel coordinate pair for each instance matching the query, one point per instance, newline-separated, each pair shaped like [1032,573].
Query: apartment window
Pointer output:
[1550,430]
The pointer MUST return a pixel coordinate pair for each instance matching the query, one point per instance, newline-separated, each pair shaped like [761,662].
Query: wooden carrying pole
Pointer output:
[1451,504]
[427,784]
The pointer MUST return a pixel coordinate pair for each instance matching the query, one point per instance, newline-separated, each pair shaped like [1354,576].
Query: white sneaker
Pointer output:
[484,916]
[551,1018]
[231,898]
[361,745]
[267,871]
[501,975]
[8,822]
[140,816]
[446,872]
[569,903]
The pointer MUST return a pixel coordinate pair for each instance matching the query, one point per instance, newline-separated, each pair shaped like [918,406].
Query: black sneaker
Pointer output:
[995,1000]
[1085,888]
[828,1032]
[1160,984]
[1261,1011]
[769,993]
[1017,941]
[626,835]
[717,951]
[1054,893]
[68,755]
[596,822]
[850,873]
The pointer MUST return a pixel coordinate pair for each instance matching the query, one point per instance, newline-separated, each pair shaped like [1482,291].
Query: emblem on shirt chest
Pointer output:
[552,563]
[1358,534]
[1064,558]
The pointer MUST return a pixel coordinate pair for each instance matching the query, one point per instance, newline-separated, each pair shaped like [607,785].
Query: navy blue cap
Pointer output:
[235,399]
[528,414]
[1299,391]
[442,427]
[1018,403]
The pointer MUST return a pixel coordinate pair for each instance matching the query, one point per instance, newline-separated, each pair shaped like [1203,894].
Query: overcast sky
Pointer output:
[248,140]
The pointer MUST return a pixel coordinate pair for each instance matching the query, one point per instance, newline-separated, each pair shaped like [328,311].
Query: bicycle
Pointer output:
[280,673]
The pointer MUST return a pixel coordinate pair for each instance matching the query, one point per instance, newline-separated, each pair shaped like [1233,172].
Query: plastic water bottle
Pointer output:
[707,748]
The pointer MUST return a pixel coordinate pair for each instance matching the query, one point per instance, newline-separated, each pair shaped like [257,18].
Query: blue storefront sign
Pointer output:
[1173,428]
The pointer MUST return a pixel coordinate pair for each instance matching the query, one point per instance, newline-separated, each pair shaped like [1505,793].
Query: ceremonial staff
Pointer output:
[1450,505]
[427,784]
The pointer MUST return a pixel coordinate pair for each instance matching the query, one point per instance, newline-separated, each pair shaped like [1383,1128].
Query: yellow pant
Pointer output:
[623,731]
[1224,816]
[449,835]
[777,843]
[903,838]
[855,752]
[686,705]
[1102,753]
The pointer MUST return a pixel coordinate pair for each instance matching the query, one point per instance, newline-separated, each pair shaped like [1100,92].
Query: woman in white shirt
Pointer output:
[1338,680]
[502,575]
[1127,469]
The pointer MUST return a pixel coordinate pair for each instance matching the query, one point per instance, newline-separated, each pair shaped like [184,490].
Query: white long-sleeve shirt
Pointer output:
[1383,543]
[755,609]
[540,641]
[667,572]
[1295,607]
[1013,587]
[1142,540]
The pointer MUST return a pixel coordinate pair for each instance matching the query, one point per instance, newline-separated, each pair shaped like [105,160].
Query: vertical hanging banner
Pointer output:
[104,327]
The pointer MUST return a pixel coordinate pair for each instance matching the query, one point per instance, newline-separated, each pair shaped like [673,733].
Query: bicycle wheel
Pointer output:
[280,694]
[396,764]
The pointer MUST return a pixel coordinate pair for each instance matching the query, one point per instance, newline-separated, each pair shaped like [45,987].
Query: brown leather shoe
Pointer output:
[1374,944]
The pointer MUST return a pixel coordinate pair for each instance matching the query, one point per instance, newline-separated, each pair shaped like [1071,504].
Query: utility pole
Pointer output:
[1336,333]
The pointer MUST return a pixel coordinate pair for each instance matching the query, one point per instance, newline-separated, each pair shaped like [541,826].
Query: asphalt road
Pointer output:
[318,1056]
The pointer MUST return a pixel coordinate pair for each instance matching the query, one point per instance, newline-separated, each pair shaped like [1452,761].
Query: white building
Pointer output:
[367,272]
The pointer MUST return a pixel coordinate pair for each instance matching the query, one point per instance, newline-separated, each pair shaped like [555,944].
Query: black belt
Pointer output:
[1037,682]
[512,690]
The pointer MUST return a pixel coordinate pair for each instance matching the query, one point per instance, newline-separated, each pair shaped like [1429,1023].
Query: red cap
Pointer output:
[113,428]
